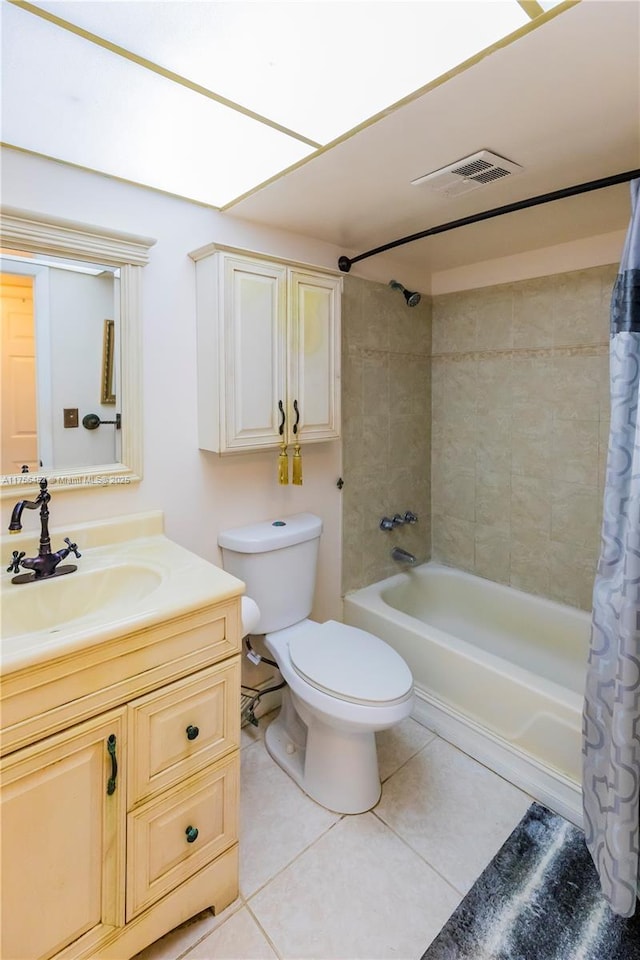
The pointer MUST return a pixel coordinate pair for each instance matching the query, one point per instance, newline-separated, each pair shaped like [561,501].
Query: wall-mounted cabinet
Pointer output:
[268,351]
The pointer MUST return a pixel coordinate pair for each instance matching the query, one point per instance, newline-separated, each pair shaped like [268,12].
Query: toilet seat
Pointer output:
[350,664]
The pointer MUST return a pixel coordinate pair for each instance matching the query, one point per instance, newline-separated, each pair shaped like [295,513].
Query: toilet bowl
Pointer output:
[339,692]
[342,683]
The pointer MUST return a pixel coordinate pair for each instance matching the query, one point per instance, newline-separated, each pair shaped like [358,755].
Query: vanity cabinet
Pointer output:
[119,799]
[268,352]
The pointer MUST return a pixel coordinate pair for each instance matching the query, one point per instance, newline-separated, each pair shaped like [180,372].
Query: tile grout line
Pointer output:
[434,736]
[281,870]
[403,839]
[421,856]
[264,932]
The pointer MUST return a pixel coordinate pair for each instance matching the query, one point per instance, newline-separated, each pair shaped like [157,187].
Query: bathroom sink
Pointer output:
[51,604]
[129,578]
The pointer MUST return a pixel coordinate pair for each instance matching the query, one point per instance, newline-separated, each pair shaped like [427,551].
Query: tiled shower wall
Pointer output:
[386,396]
[520,410]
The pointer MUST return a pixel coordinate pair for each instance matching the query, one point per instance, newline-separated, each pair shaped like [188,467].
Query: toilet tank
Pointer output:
[277,560]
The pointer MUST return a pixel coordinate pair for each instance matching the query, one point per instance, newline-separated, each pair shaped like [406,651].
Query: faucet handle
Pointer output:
[410,517]
[14,566]
[386,524]
[73,547]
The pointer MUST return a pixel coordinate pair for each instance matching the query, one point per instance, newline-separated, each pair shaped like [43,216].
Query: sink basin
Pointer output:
[53,603]
[129,578]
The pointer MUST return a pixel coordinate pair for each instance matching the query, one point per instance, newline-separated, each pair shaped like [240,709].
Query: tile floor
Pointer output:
[317,885]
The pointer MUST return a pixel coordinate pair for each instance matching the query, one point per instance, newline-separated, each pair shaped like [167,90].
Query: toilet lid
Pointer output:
[350,664]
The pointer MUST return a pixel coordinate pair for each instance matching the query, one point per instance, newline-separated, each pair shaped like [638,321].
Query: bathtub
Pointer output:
[497,672]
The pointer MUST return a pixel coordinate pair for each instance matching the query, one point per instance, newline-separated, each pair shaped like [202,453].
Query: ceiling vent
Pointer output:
[468,174]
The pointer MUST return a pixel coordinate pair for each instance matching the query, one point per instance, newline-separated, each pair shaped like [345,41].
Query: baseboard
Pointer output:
[543,783]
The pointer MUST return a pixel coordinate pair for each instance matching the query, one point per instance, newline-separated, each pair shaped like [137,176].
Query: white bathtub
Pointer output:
[498,672]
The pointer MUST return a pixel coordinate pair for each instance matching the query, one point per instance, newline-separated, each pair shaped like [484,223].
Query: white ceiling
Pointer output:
[290,61]
[207,99]
[562,100]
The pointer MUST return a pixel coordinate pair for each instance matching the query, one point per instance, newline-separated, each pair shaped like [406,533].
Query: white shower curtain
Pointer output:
[611,719]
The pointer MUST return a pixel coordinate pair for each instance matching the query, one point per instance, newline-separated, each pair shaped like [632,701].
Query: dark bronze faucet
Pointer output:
[46,564]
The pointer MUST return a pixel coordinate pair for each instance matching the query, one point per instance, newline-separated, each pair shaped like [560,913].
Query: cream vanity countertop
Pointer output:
[129,577]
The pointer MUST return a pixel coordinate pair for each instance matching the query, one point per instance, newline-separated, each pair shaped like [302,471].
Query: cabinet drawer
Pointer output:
[178,730]
[172,837]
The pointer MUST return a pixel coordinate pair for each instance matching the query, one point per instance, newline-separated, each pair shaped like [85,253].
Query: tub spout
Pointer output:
[403,556]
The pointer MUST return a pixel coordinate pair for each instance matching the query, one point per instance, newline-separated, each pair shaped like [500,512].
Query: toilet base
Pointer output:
[336,768]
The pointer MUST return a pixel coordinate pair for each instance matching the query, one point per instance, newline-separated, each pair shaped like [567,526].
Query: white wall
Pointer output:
[578,255]
[199,492]
[78,306]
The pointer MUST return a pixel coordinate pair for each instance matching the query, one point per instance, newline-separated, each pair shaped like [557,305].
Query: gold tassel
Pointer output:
[283,464]
[297,464]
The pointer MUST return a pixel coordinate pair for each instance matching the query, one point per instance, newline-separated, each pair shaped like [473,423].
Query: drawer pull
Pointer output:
[111,749]
[192,732]
[192,834]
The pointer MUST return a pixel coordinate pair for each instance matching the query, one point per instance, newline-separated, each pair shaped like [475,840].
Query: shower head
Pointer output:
[413,299]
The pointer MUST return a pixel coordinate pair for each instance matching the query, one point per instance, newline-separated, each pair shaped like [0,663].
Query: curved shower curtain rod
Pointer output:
[345,263]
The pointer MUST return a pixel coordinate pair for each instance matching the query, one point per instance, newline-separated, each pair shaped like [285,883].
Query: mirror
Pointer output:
[71,339]
[59,362]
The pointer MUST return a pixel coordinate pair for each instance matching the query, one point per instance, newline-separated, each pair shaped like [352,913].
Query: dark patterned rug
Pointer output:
[539,899]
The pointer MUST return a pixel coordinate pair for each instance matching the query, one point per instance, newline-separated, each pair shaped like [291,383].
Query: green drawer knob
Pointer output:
[192,834]
[192,732]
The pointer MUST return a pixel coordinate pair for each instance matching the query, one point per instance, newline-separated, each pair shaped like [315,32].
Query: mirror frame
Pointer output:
[35,233]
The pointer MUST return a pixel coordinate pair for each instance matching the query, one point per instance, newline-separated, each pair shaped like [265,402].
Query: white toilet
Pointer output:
[343,684]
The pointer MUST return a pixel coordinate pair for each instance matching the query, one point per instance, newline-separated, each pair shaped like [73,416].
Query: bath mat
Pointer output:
[539,899]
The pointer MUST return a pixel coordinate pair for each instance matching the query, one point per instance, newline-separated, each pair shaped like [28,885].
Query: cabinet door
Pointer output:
[63,842]
[253,353]
[314,365]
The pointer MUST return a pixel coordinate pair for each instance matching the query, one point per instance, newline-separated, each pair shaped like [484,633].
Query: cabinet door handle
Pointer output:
[297,411]
[192,732]
[111,749]
[192,834]
[282,414]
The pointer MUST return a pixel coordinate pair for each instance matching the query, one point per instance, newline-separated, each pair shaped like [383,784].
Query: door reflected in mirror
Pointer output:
[80,276]
[60,361]
[19,447]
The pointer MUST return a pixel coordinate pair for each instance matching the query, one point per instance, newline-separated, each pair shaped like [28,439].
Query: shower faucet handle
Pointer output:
[398,520]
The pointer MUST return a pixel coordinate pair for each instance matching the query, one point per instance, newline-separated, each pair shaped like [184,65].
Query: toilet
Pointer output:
[343,684]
